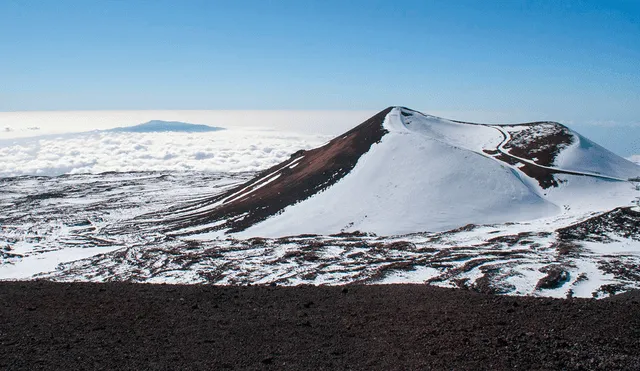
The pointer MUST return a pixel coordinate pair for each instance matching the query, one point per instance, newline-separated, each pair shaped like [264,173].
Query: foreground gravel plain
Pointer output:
[45,325]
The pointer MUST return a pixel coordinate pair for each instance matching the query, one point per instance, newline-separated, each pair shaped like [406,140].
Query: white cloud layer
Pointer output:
[635,158]
[255,140]
[99,151]
[54,143]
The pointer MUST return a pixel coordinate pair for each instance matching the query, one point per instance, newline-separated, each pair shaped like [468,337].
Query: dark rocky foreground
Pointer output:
[47,325]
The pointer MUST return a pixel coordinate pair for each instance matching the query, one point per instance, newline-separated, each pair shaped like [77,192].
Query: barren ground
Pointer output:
[46,325]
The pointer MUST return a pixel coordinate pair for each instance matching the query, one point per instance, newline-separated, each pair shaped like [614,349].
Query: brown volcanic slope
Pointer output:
[117,326]
[316,170]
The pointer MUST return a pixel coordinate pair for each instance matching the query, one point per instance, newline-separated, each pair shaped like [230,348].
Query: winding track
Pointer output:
[507,137]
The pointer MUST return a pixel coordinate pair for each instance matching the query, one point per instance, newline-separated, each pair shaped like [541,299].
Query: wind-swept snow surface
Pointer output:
[75,236]
[586,156]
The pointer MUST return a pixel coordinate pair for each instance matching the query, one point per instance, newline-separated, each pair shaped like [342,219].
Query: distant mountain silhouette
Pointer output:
[159,126]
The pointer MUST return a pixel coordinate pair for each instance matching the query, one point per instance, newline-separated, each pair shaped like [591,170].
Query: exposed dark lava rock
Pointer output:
[622,221]
[539,142]
[544,176]
[391,327]
[556,277]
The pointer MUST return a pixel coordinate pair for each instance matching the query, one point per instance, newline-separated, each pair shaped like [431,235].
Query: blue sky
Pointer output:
[571,61]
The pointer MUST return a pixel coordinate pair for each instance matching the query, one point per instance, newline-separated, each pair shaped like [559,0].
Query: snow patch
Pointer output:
[586,156]
[48,261]
[417,275]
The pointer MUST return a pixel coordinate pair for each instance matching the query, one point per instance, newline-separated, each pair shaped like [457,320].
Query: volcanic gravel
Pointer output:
[65,326]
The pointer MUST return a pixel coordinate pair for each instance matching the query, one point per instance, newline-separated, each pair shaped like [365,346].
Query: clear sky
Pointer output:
[572,61]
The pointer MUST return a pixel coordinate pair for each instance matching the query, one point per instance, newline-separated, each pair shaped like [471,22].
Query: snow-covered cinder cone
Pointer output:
[402,172]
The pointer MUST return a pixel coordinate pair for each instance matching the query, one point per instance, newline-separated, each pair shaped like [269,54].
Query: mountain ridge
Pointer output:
[161,126]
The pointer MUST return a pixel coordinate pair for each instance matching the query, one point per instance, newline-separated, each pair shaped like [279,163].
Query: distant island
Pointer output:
[159,126]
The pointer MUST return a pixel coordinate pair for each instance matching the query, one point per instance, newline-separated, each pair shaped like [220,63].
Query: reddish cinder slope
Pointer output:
[303,175]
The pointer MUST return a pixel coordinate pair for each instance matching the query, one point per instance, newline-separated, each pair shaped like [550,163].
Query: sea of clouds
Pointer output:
[101,151]
[58,142]
[55,143]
